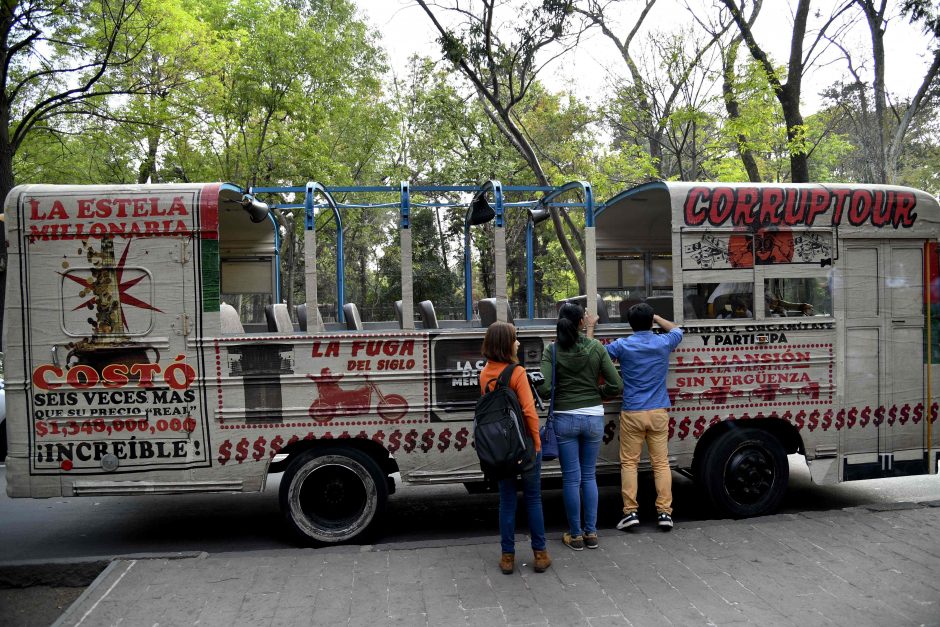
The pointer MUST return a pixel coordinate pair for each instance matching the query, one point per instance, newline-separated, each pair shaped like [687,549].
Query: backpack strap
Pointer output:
[506,375]
[502,379]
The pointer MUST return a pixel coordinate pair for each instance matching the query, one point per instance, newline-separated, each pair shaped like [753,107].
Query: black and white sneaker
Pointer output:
[628,521]
[664,521]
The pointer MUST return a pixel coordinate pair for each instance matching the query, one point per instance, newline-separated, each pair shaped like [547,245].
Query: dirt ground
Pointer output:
[38,606]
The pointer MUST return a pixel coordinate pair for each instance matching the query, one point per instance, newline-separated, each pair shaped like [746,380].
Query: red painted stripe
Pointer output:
[209,211]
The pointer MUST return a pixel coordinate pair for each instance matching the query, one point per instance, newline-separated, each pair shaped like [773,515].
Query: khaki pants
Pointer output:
[650,426]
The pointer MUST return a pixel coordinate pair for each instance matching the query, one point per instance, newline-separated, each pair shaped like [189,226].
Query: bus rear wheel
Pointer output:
[745,472]
[332,495]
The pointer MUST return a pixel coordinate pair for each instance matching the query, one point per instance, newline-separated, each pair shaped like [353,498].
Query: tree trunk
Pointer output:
[734,113]
[799,162]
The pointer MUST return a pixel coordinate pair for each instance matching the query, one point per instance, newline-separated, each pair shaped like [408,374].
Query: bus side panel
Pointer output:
[105,383]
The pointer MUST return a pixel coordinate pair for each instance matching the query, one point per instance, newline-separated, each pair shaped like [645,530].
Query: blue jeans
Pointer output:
[532,494]
[579,442]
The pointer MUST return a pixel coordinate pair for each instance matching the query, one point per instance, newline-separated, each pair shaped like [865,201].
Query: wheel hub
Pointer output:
[749,475]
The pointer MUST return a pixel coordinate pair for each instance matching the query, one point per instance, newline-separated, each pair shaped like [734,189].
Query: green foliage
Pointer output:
[285,91]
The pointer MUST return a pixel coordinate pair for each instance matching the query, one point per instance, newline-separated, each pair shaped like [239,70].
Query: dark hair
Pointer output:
[569,319]
[738,302]
[498,343]
[640,317]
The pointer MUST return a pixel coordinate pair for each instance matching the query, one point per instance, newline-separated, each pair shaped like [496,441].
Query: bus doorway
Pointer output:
[884,387]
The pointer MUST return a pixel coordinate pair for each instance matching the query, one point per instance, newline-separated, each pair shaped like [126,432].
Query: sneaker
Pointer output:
[575,543]
[664,521]
[628,521]
[590,540]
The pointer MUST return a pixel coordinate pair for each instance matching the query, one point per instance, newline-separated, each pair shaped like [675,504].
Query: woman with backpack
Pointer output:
[581,363]
[500,349]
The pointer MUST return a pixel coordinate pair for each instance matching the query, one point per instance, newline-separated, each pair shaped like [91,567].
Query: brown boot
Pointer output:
[507,562]
[542,561]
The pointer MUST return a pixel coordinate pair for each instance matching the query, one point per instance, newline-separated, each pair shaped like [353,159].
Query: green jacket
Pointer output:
[580,369]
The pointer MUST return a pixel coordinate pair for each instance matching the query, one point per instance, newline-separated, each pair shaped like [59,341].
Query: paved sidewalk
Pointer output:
[861,566]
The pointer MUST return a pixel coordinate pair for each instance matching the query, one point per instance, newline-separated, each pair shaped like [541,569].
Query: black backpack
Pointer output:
[500,437]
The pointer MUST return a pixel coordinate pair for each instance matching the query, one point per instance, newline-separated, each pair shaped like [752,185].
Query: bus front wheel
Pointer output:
[745,472]
[332,495]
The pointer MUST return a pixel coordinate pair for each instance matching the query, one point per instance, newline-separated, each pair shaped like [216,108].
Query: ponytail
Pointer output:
[569,319]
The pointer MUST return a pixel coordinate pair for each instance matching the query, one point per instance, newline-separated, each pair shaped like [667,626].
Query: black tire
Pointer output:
[745,472]
[332,495]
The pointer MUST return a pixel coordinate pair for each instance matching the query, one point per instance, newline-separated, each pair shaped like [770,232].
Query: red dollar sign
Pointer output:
[866,416]
[225,452]
[443,439]
[378,436]
[684,427]
[293,439]
[427,440]
[827,420]
[918,413]
[879,415]
[609,430]
[259,448]
[892,415]
[853,415]
[394,441]
[362,435]
[840,419]
[905,413]
[699,427]
[411,441]
[800,419]
[276,445]
[460,440]
[672,427]
[814,420]
[241,450]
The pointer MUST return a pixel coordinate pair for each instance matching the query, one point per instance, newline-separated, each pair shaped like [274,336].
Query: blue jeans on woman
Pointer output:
[579,442]
[532,495]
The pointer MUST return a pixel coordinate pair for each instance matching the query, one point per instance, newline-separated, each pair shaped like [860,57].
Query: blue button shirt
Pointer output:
[644,363]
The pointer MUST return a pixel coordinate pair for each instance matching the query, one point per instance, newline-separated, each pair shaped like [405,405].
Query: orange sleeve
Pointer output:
[520,385]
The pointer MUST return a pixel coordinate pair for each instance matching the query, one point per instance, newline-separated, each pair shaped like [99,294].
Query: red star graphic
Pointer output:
[123,287]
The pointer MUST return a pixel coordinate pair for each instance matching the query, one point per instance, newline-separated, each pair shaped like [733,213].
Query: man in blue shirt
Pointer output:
[644,363]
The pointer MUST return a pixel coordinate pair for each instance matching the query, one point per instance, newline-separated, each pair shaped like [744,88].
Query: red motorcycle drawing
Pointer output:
[333,400]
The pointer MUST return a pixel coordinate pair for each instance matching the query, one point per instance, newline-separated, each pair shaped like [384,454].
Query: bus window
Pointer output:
[797,297]
[704,301]
[661,275]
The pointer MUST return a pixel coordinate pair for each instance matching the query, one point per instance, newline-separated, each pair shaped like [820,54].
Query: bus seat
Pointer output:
[399,315]
[487,309]
[697,303]
[351,313]
[278,319]
[603,316]
[428,317]
[662,306]
[625,305]
[301,312]
[230,321]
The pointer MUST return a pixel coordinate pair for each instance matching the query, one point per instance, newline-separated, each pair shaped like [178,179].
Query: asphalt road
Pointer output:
[34,529]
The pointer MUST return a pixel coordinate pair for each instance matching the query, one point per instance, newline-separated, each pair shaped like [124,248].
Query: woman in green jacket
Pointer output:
[579,416]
